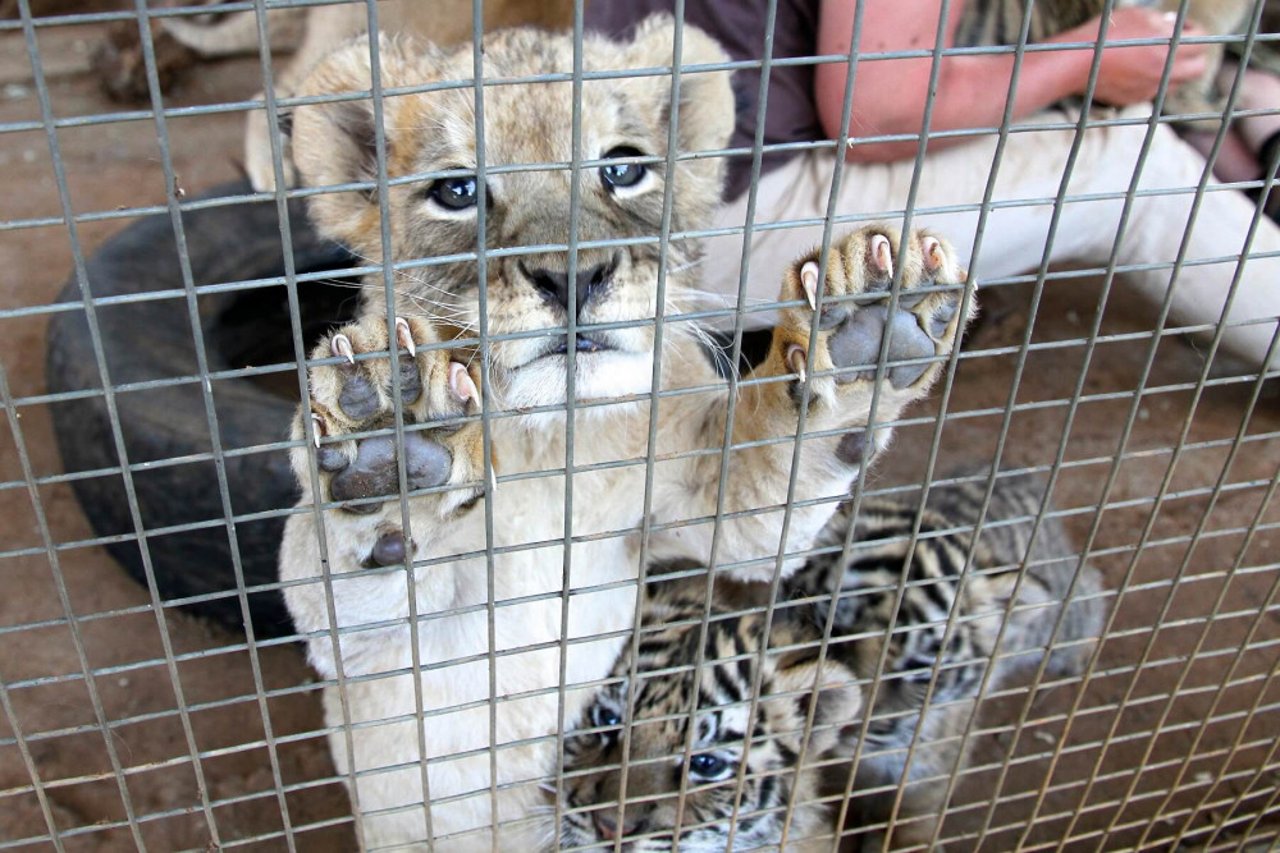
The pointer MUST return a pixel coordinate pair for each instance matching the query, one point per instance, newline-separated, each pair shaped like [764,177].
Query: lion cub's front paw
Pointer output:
[856,314]
[356,396]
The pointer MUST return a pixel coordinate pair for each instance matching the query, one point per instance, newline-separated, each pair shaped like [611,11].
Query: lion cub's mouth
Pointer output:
[584,343]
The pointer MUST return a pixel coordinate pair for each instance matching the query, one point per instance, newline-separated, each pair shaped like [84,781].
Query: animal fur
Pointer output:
[355,579]
[941,637]
[740,807]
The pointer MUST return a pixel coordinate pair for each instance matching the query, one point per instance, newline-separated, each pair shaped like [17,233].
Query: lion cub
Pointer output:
[452,628]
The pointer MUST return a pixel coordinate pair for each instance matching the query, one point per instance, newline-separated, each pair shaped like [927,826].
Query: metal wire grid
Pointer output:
[1150,659]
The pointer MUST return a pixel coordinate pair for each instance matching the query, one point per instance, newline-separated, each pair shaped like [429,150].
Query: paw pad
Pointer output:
[358,394]
[374,472]
[857,342]
[391,549]
[864,265]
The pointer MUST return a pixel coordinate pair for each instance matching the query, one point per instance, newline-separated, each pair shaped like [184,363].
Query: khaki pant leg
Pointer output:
[952,185]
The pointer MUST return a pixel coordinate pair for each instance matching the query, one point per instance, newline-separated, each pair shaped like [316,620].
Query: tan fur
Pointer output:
[441,22]
[312,33]
[527,383]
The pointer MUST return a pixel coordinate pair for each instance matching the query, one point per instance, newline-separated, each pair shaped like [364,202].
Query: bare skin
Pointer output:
[1261,91]
[890,95]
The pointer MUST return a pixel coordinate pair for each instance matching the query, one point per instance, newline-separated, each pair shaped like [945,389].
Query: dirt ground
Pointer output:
[1200,622]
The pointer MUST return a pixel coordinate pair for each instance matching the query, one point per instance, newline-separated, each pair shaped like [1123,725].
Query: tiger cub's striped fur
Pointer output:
[670,637]
[999,22]
[865,587]
[867,611]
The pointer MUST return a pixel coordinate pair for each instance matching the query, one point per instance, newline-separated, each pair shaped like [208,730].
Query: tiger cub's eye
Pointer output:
[707,766]
[604,717]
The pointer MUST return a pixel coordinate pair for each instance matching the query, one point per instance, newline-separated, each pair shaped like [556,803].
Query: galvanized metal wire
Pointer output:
[1238,804]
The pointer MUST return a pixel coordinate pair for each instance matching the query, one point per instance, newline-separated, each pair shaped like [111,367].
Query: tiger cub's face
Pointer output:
[535,205]
[737,766]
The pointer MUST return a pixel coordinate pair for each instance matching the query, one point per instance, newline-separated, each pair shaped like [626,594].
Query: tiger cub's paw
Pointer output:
[355,395]
[856,315]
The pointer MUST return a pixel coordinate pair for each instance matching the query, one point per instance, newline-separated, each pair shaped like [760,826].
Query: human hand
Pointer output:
[1130,75]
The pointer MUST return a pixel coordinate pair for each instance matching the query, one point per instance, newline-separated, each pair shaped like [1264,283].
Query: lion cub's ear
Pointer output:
[336,143]
[706,113]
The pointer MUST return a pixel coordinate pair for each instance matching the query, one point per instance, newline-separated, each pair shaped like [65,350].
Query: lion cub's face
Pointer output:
[528,194]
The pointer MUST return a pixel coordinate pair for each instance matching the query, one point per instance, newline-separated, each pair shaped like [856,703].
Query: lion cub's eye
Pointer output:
[453,193]
[623,175]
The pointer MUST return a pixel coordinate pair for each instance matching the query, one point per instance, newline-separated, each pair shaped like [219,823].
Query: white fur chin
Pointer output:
[600,375]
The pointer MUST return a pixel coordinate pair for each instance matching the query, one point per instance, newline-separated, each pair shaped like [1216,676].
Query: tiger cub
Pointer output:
[992,22]
[865,588]
[728,732]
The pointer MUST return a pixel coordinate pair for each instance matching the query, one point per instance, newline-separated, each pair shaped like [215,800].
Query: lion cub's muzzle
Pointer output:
[590,282]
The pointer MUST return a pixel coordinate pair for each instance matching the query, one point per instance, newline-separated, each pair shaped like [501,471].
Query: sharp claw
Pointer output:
[341,345]
[882,254]
[809,280]
[317,427]
[797,360]
[461,383]
[404,336]
[492,480]
[932,253]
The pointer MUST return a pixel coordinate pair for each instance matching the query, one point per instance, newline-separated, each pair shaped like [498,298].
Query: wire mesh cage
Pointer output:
[651,593]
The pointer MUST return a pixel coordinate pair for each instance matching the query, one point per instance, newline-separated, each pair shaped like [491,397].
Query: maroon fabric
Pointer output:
[739,26]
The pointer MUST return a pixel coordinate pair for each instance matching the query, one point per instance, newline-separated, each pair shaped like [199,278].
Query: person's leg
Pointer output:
[1261,131]
[1214,243]
[1260,91]
[1236,163]
[1248,149]
[953,182]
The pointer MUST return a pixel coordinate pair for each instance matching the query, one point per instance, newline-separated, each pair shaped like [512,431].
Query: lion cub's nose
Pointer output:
[554,284]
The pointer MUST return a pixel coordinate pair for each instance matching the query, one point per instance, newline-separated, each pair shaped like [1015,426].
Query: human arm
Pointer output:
[890,95]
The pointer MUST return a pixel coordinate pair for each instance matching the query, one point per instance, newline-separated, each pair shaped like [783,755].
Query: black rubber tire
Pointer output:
[151,340]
